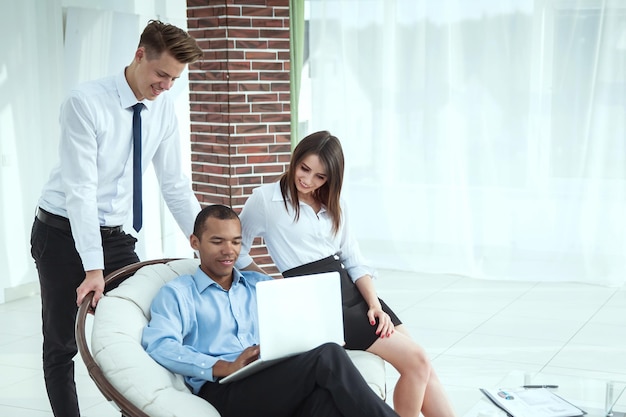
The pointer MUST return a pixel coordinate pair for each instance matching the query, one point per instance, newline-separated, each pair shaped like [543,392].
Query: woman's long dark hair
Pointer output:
[328,149]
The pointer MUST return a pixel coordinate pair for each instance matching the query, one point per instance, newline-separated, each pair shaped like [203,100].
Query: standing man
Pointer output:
[205,326]
[110,131]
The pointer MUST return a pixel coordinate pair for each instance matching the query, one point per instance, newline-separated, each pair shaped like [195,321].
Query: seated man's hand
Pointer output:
[250,354]
[224,368]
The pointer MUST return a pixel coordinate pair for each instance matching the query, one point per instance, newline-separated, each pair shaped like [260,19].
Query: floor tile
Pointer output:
[611,315]
[434,341]
[24,352]
[592,357]
[29,393]
[477,301]
[539,309]
[29,304]
[444,319]
[478,373]
[23,412]
[506,349]
[537,328]
[593,333]
[10,375]
[20,322]
[401,301]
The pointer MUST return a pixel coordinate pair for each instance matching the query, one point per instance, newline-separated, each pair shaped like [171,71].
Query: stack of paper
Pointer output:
[533,402]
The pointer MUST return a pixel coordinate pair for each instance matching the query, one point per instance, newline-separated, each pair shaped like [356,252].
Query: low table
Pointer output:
[598,397]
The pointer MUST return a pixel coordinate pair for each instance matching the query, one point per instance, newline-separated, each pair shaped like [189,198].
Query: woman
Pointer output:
[305,230]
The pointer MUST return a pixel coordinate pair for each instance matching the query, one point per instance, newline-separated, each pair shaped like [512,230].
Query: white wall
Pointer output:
[38,62]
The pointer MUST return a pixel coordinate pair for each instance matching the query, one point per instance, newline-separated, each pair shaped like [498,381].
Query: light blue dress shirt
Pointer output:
[92,184]
[195,322]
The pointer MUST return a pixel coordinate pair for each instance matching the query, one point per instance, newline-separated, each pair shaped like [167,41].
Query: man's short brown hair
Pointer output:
[158,37]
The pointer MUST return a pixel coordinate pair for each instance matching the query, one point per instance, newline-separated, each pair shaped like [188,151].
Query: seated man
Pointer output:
[203,328]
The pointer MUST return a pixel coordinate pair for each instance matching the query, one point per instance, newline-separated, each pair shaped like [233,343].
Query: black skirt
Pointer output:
[359,334]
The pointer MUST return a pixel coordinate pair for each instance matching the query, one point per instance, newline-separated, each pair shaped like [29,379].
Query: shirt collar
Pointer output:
[127,97]
[278,196]
[203,281]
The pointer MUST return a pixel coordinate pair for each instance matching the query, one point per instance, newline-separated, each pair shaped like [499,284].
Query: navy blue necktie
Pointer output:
[137,209]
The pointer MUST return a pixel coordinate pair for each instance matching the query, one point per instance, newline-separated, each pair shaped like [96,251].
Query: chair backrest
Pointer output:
[125,374]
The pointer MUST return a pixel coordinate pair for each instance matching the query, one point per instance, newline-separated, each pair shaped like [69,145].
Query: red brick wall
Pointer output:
[239,96]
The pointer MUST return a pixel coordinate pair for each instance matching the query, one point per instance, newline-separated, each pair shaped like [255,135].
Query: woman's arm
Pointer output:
[375,311]
[253,221]
[254,267]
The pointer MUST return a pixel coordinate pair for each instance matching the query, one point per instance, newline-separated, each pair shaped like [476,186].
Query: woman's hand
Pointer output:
[385,325]
[375,312]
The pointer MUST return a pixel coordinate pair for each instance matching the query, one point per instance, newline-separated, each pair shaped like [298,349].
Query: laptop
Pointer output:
[295,315]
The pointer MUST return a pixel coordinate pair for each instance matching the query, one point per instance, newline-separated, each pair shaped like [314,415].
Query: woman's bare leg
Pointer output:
[418,389]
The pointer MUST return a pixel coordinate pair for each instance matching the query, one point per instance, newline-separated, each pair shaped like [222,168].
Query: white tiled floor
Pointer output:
[475,331]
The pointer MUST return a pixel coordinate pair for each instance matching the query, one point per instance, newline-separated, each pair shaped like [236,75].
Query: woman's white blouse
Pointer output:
[293,243]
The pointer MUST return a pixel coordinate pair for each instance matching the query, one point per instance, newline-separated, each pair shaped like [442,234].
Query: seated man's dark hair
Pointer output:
[217,211]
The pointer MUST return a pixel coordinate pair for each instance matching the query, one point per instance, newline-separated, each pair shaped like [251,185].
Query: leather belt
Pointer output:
[63,223]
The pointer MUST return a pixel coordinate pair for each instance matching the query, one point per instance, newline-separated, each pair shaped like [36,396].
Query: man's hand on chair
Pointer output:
[94,281]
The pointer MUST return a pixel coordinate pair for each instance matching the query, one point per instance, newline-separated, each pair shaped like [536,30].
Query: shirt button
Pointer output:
[201,372]
[202,364]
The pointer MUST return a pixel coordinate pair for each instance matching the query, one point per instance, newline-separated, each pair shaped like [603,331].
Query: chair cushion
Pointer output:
[116,347]
[372,367]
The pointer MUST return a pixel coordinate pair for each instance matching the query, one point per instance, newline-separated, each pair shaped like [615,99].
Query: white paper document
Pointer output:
[532,402]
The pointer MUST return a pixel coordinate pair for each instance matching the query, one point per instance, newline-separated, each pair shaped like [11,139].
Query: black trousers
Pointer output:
[322,382]
[60,272]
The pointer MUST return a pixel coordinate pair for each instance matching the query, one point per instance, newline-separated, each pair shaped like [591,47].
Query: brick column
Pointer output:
[239,96]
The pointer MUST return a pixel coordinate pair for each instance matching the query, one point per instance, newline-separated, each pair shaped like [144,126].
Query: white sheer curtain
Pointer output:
[483,138]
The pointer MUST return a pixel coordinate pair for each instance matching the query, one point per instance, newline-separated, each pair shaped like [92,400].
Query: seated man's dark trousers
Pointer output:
[321,382]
